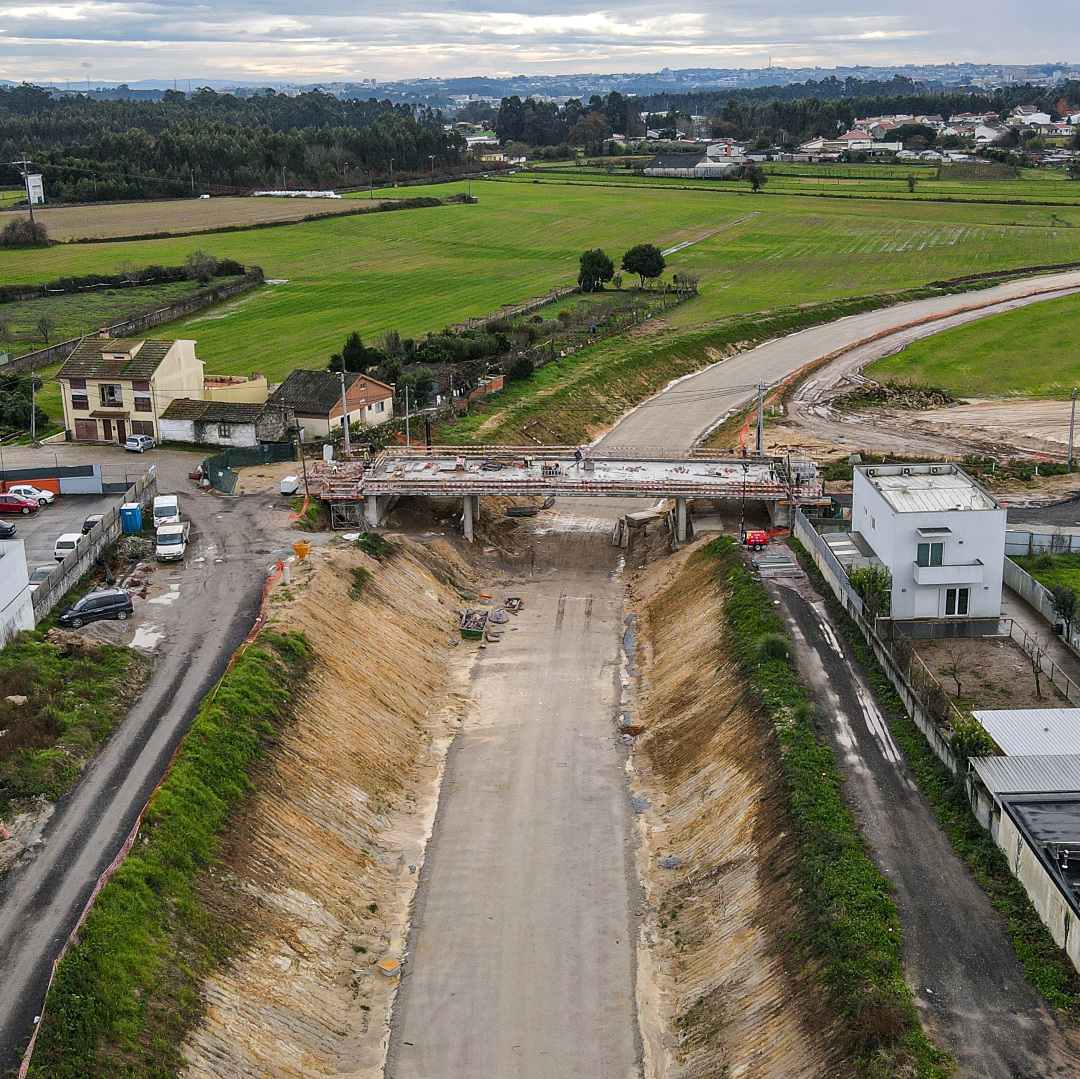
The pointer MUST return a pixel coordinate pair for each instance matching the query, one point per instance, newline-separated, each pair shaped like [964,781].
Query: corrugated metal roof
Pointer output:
[922,493]
[1030,775]
[1028,732]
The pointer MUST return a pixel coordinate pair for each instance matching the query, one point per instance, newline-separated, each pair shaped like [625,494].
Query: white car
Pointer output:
[139,443]
[42,498]
[66,544]
[39,575]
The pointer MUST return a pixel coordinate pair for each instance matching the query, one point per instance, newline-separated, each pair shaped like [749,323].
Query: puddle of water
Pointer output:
[147,638]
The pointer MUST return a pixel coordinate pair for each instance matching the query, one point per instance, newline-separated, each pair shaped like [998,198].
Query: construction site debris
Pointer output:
[473,623]
[389,967]
[513,604]
[499,616]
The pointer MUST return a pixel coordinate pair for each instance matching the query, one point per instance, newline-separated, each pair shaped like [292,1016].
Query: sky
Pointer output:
[329,40]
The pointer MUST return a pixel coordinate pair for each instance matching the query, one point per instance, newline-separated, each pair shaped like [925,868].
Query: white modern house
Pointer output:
[16,603]
[940,535]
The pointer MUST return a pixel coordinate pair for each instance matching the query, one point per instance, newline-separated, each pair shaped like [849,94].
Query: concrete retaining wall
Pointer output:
[80,561]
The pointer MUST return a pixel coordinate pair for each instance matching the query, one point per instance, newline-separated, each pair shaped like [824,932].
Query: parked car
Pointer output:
[7,530]
[139,443]
[90,522]
[66,544]
[40,496]
[756,539]
[172,541]
[166,510]
[17,504]
[39,575]
[108,603]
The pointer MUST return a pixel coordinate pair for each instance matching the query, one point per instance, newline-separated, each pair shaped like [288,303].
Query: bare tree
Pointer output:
[1036,650]
[954,666]
[45,326]
[1064,601]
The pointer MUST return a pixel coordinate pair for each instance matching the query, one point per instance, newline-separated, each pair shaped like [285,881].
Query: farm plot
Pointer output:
[1033,351]
[418,271]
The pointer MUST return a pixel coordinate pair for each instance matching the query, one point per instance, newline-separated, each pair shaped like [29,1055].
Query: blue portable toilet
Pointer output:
[131,516]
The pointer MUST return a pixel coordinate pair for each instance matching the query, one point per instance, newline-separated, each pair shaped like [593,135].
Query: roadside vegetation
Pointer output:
[74,696]
[852,928]
[1045,965]
[1052,570]
[128,990]
[1030,352]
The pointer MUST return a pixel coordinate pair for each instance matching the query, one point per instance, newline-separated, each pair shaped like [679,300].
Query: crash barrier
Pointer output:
[125,848]
[218,469]
[79,562]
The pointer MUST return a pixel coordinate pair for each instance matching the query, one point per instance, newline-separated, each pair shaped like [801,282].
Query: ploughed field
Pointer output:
[418,270]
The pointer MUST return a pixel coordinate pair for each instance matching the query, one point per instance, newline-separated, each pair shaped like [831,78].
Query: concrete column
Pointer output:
[467,518]
[371,510]
[680,519]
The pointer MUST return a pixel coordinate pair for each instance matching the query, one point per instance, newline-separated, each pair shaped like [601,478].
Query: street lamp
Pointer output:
[742,506]
[431,158]
[391,172]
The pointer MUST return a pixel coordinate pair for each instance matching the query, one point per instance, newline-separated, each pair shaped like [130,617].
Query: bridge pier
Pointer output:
[372,510]
[470,514]
[680,519]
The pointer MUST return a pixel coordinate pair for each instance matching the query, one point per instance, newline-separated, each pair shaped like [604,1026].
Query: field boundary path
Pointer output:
[712,232]
[688,409]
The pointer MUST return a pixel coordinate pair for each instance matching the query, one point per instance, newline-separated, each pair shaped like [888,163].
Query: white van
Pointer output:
[166,510]
[66,544]
[172,541]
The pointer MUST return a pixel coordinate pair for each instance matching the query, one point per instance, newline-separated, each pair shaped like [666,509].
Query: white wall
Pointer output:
[975,536]
[176,430]
[16,605]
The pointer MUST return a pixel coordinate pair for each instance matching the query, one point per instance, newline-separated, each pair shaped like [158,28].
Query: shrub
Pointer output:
[373,544]
[521,369]
[22,232]
[772,646]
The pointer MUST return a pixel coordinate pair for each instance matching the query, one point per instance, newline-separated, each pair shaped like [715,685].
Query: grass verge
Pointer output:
[125,995]
[1045,965]
[74,697]
[852,925]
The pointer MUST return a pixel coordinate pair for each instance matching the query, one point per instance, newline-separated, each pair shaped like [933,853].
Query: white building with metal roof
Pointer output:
[1032,732]
[940,535]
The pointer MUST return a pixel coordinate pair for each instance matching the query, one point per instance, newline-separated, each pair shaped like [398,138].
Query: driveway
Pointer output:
[969,986]
[195,618]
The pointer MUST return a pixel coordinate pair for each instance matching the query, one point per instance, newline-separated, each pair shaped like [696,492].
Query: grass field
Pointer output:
[10,195]
[78,313]
[419,270]
[1034,351]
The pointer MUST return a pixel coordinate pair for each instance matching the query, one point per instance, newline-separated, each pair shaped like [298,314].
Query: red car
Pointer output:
[756,539]
[17,504]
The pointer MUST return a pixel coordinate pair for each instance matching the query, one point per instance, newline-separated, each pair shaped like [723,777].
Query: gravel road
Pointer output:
[42,895]
[968,984]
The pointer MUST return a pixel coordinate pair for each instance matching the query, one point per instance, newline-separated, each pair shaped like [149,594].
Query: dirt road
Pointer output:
[969,987]
[42,895]
[683,413]
[522,952]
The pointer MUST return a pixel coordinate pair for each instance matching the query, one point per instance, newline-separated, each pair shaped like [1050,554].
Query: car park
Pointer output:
[10,503]
[139,443]
[7,530]
[38,494]
[39,575]
[65,544]
[107,603]
[90,521]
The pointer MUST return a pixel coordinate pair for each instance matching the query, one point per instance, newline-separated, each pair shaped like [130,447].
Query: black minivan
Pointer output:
[108,603]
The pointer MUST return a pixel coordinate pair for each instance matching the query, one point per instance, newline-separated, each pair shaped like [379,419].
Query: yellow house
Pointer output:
[251,391]
[115,388]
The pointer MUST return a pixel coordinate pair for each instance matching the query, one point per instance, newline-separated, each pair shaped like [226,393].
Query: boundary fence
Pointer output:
[218,469]
[67,573]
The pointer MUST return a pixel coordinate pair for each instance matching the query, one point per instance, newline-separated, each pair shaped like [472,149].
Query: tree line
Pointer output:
[185,144]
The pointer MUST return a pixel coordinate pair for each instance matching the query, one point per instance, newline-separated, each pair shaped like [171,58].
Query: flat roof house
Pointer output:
[939,534]
[115,388]
[315,399]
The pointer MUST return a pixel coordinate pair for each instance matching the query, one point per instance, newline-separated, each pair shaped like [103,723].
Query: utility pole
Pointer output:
[1072,428]
[408,440]
[33,408]
[391,172]
[760,419]
[742,504]
[345,415]
[24,167]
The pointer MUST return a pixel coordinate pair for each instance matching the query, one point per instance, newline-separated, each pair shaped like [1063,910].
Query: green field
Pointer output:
[1033,351]
[419,270]
[10,195]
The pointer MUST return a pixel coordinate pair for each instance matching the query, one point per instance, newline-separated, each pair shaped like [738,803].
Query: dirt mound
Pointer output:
[321,865]
[715,996]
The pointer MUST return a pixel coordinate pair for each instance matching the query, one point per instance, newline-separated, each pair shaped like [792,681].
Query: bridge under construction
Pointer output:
[363,492]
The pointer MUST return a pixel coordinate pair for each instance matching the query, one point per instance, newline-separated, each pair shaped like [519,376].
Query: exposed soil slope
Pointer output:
[715,994]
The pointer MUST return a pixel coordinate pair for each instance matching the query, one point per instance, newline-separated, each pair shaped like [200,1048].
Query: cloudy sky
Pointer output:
[307,40]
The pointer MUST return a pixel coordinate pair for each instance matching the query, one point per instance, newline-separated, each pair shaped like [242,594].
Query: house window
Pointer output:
[140,385]
[78,383]
[224,430]
[112,396]
[142,427]
[380,406]
[956,601]
[142,403]
[80,402]
[930,554]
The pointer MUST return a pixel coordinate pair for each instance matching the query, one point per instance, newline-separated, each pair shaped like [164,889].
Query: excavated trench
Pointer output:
[719,992]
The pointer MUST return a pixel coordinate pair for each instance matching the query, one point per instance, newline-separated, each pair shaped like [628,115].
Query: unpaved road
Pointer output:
[969,987]
[522,951]
[42,895]
[678,417]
